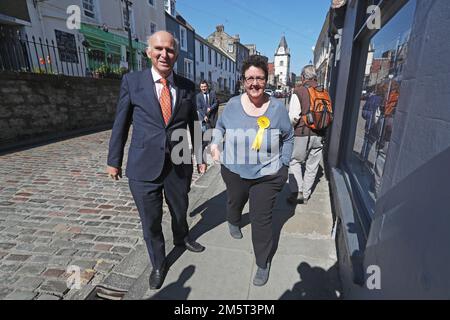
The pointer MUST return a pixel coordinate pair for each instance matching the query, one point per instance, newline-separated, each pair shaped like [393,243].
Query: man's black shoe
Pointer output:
[157,277]
[191,245]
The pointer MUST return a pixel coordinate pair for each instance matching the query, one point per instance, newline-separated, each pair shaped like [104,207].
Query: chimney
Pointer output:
[220,28]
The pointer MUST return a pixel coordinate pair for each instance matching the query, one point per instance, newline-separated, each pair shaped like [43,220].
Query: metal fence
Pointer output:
[19,53]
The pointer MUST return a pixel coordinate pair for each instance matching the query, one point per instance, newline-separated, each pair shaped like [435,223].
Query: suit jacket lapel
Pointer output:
[147,85]
[179,92]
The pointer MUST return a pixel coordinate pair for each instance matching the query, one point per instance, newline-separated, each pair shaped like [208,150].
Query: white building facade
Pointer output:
[102,34]
[282,65]
[215,66]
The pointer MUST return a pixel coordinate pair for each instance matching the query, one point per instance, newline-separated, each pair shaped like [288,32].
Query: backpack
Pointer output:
[320,115]
[391,103]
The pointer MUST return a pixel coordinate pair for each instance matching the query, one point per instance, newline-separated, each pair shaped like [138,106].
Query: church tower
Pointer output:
[282,62]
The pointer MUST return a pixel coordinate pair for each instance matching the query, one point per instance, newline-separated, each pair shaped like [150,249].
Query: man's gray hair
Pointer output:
[309,72]
[176,42]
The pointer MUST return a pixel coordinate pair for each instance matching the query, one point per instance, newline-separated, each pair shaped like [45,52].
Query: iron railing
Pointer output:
[19,53]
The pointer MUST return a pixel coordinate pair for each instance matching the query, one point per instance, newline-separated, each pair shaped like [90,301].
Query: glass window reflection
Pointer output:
[387,55]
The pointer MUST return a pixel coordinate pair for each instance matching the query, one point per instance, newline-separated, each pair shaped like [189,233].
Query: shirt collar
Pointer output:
[156,76]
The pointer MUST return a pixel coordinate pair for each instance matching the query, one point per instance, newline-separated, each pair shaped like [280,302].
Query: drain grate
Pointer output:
[103,293]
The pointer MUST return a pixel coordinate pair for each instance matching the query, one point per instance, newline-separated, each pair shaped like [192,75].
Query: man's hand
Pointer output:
[215,153]
[201,168]
[114,173]
[205,119]
[208,110]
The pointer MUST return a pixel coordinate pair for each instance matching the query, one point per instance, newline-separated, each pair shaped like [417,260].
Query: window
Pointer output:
[188,69]
[152,28]
[169,7]
[89,8]
[209,56]
[151,2]
[183,38]
[382,75]
[202,76]
[215,53]
[202,52]
[281,63]
[128,20]
[230,47]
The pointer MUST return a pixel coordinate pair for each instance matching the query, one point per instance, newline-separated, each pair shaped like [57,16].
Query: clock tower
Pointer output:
[282,61]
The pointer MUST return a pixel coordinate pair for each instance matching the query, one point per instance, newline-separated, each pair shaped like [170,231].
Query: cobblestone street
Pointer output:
[58,208]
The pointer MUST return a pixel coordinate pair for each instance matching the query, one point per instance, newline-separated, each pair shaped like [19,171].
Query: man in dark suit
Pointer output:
[157,102]
[207,105]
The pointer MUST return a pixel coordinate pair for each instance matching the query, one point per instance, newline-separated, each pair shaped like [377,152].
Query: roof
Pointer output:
[283,43]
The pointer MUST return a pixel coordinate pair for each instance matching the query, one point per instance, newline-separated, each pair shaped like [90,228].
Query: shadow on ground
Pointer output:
[315,284]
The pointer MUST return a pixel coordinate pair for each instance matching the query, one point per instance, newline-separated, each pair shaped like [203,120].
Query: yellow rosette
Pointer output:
[263,124]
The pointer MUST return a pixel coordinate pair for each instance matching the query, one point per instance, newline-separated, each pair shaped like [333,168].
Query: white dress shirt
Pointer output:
[295,109]
[159,86]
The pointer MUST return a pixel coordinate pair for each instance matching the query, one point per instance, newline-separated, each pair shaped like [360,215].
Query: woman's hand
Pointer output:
[215,153]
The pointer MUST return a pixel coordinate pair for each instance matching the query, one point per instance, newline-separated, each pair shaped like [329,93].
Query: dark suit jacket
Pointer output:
[138,105]
[202,107]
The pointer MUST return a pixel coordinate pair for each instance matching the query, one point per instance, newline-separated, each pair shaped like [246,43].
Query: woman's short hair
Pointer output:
[255,61]
[309,72]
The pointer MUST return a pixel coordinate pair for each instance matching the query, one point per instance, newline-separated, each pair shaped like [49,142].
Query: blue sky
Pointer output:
[262,22]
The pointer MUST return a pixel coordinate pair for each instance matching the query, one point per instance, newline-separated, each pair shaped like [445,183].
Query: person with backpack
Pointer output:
[371,113]
[311,113]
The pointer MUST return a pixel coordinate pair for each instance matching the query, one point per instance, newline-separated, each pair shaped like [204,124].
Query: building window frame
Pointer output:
[188,68]
[202,52]
[130,18]
[153,28]
[91,13]
[209,56]
[183,39]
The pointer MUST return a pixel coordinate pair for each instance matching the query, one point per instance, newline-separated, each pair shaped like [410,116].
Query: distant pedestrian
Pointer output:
[257,150]
[308,144]
[207,105]
[371,114]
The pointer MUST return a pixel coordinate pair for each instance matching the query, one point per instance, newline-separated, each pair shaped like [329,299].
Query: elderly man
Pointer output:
[308,142]
[157,102]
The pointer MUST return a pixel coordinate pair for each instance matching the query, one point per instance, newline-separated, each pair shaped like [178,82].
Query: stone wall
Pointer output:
[35,107]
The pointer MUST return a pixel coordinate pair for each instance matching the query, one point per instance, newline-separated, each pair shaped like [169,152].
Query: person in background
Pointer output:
[308,142]
[207,105]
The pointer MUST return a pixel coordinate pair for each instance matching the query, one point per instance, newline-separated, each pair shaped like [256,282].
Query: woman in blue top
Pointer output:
[257,139]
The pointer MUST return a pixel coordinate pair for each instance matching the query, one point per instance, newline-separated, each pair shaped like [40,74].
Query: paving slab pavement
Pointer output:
[303,267]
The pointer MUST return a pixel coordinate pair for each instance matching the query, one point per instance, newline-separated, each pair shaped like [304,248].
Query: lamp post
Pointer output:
[128,4]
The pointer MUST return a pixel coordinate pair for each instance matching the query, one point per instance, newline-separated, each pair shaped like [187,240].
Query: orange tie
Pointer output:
[165,101]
